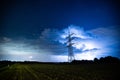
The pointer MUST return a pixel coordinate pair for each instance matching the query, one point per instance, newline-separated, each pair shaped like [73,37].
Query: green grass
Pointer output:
[19,71]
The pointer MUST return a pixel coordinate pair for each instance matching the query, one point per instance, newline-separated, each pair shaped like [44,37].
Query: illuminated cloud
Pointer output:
[77,32]
[93,43]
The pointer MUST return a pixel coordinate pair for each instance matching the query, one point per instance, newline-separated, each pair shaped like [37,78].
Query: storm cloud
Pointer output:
[51,44]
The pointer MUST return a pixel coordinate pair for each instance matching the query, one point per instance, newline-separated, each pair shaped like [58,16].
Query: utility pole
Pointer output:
[70,46]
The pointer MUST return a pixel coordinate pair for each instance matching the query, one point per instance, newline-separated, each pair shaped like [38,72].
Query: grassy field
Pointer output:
[20,71]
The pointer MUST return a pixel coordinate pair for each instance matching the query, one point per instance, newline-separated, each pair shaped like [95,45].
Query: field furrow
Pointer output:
[20,71]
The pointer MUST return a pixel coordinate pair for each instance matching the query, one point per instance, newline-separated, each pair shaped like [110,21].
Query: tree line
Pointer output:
[108,59]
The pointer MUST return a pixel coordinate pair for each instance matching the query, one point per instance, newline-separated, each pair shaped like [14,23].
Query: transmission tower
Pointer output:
[70,46]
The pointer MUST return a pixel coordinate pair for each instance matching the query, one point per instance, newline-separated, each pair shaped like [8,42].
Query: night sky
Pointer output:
[36,30]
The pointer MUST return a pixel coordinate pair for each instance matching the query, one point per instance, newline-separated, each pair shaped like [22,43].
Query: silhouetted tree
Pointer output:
[109,59]
[96,60]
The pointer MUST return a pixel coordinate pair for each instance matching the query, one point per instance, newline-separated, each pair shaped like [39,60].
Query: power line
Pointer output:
[70,46]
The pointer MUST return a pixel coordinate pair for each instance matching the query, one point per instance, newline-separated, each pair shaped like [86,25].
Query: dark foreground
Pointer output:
[36,71]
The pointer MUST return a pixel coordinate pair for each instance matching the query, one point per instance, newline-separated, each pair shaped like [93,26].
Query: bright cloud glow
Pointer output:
[92,43]
[77,32]
[30,57]
[83,40]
